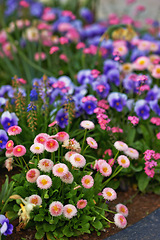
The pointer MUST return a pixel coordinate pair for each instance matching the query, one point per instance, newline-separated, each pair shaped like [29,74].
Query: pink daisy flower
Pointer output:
[109,194]
[123,161]
[41,138]
[120,208]
[35,199]
[119,220]
[53,49]
[77,160]
[32,175]
[44,182]
[56,208]
[52,124]
[9,145]
[62,136]
[45,165]
[105,169]
[67,178]
[37,148]
[132,153]
[69,211]
[158,135]
[60,169]
[68,155]
[51,145]
[156,71]
[141,63]
[111,161]
[87,181]
[92,143]
[14,130]
[82,203]
[87,124]
[19,151]
[9,153]
[120,146]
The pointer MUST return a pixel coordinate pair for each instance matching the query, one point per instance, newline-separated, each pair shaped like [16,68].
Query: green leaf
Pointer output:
[50,236]
[143,181]
[20,190]
[157,190]
[48,227]
[39,235]
[39,218]
[131,135]
[67,231]
[97,224]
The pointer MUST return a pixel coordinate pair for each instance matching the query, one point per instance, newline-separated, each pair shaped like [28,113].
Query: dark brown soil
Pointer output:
[139,205]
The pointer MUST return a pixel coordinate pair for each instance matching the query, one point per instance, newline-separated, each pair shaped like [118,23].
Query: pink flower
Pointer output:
[56,208]
[62,136]
[14,130]
[87,124]
[155,120]
[24,4]
[35,199]
[67,178]
[105,169]
[158,135]
[37,148]
[77,160]
[111,161]
[52,124]
[134,120]
[9,163]
[119,220]
[123,161]
[44,182]
[82,203]
[41,138]
[9,153]
[120,146]
[63,40]
[120,208]
[87,181]
[68,155]
[141,63]
[92,143]
[63,57]
[80,45]
[45,165]
[51,145]
[39,56]
[53,49]
[132,153]
[19,150]
[9,145]
[156,71]
[69,211]
[32,175]
[60,169]
[109,194]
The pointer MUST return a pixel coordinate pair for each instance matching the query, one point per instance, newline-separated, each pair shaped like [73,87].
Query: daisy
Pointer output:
[82,203]
[123,161]
[60,169]
[69,211]
[37,148]
[19,151]
[52,124]
[156,71]
[132,153]
[72,144]
[14,130]
[120,146]
[9,145]
[51,145]
[9,153]
[87,181]
[105,169]
[44,182]
[67,178]
[141,63]
[119,220]
[35,199]
[68,155]
[32,175]
[41,138]
[77,160]
[62,136]
[45,165]
[56,208]
[109,194]
[87,124]
[120,208]
[9,163]
[92,143]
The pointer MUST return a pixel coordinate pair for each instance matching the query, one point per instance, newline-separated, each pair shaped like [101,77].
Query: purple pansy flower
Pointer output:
[8,119]
[113,76]
[62,118]
[89,106]
[117,100]
[5,227]
[85,76]
[142,109]
[3,139]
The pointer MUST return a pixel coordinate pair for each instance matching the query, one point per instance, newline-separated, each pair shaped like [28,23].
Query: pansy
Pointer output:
[14,130]
[117,100]
[142,109]
[19,151]
[5,227]
[3,139]
[8,119]
[69,211]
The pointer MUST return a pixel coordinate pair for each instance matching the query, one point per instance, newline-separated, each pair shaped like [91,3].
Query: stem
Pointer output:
[85,149]
[113,175]
[107,210]
[103,217]
[25,163]
[84,139]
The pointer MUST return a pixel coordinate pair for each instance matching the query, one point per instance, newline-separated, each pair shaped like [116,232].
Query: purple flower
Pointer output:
[36,9]
[3,139]
[153,94]
[155,106]
[117,100]
[5,227]
[86,14]
[142,109]
[8,119]
[33,95]
[2,102]
[85,76]
[89,106]
[114,76]
[62,118]
[108,65]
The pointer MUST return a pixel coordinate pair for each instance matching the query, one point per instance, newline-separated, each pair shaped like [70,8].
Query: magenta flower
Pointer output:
[19,151]
[14,130]
[82,203]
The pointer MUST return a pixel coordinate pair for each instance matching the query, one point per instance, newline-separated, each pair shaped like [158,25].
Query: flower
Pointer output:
[62,118]
[51,145]
[117,100]
[77,160]
[120,208]
[158,135]
[9,153]
[56,208]
[69,211]
[87,124]
[142,109]
[123,161]
[9,163]
[8,119]
[5,227]
[156,71]
[37,148]
[35,199]
[141,63]
[109,194]
[53,49]
[119,220]
[3,139]
[72,144]
[92,143]
[82,203]
[134,120]
[44,182]
[120,146]
[67,178]
[87,181]
[32,175]
[68,155]
[9,145]
[132,153]
[45,165]
[41,138]
[14,130]
[62,136]
[60,169]
[105,169]
[19,151]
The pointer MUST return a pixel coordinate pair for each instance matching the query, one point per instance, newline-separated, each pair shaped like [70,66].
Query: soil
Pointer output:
[139,205]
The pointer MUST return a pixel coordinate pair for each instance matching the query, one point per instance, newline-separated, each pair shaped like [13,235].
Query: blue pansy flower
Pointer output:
[117,100]
[3,139]
[62,118]
[8,119]
[142,109]
[5,227]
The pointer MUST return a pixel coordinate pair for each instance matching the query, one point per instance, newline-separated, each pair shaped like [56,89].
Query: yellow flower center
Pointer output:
[60,170]
[123,161]
[69,210]
[19,149]
[44,181]
[105,169]
[158,70]
[55,208]
[0,141]
[141,62]
[109,194]
[9,144]
[34,201]
[87,181]
[37,148]
[77,159]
